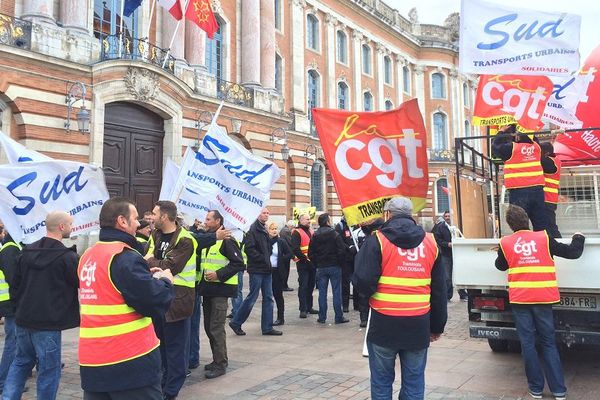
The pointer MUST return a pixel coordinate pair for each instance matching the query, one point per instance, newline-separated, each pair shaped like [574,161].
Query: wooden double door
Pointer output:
[133,153]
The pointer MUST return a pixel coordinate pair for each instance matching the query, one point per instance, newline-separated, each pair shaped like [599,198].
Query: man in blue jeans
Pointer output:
[258,250]
[327,252]
[399,267]
[532,289]
[44,289]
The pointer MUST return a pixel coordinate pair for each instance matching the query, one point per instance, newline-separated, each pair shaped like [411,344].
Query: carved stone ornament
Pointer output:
[143,84]
[216,7]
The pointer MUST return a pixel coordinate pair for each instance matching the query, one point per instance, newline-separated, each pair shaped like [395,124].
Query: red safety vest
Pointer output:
[111,332]
[552,183]
[531,271]
[524,167]
[304,242]
[404,286]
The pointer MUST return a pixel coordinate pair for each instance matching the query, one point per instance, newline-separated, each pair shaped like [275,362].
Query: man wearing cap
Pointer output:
[399,267]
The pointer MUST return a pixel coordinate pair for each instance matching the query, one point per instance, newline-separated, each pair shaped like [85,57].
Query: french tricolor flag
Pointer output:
[173,6]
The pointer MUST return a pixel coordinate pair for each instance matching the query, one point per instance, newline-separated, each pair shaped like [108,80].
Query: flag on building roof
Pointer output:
[130,6]
[200,12]
[173,6]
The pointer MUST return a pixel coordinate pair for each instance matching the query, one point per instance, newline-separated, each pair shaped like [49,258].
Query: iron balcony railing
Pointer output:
[443,155]
[15,32]
[113,48]
[235,93]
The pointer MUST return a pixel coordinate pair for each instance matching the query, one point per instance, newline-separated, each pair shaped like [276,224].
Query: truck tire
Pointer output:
[498,345]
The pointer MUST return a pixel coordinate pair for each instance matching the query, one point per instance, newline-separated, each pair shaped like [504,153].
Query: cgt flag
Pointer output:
[373,156]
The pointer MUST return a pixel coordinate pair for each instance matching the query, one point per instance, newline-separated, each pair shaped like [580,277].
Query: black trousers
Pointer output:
[306,285]
[151,392]
[285,273]
[552,228]
[347,271]
[277,284]
[174,350]
[531,199]
[215,312]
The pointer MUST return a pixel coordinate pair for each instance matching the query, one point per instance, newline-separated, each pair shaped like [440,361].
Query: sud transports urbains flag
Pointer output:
[373,156]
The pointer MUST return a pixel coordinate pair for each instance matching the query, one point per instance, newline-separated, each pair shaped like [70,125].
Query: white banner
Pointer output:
[170,174]
[498,39]
[16,152]
[567,94]
[29,191]
[226,177]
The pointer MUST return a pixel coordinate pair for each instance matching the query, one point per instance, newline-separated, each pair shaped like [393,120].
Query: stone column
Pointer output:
[251,66]
[74,15]
[169,25]
[400,63]
[267,44]
[420,88]
[195,45]
[297,64]
[331,46]
[380,78]
[39,11]
[357,38]
[454,98]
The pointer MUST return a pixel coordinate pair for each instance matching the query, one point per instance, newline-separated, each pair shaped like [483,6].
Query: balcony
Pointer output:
[441,155]
[235,93]
[15,32]
[113,48]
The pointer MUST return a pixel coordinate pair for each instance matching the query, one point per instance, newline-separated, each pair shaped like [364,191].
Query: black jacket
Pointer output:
[402,333]
[443,237]
[345,233]
[231,250]
[9,256]
[148,296]
[327,249]
[303,262]
[284,252]
[258,249]
[45,285]
[286,234]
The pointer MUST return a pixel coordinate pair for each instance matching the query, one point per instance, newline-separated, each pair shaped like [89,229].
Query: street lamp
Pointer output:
[312,150]
[276,135]
[75,93]
[203,119]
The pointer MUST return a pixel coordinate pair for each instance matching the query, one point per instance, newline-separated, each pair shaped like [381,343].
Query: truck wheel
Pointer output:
[498,345]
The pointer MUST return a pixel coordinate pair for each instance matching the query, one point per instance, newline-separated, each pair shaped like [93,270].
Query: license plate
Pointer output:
[579,302]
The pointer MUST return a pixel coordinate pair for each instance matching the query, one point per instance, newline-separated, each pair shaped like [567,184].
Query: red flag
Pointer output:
[173,6]
[446,190]
[373,156]
[200,12]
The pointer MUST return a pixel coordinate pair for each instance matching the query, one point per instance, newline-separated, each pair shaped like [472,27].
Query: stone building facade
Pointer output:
[271,60]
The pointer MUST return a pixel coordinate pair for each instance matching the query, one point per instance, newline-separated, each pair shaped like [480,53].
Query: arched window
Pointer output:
[214,52]
[442,200]
[465,95]
[366,59]
[278,11]
[313,89]
[440,137]
[278,73]
[107,20]
[342,47]
[438,86]
[343,96]
[387,70]
[368,101]
[406,79]
[389,105]
[312,32]
[316,185]
[467,129]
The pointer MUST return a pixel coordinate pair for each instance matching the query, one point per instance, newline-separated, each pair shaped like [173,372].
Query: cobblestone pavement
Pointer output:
[315,361]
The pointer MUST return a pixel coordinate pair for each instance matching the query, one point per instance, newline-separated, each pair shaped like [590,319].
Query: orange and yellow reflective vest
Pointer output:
[552,182]
[304,242]
[524,167]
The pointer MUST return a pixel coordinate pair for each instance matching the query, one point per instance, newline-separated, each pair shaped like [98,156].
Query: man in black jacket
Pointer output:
[221,263]
[258,250]
[9,254]
[443,237]
[394,268]
[345,233]
[327,252]
[301,237]
[44,289]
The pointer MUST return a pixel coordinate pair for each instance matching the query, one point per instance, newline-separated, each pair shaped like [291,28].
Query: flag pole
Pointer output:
[121,28]
[150,20]
[175,33]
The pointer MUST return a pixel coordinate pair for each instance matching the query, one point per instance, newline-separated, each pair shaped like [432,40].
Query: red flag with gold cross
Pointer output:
[201,13]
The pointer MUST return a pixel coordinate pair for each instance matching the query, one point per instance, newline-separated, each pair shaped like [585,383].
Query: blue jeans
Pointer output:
[237,302]
[263,283]
[324,275]
[194,357]
[10,348]
[538,322]
[32,344]
[412,370]
[174,351]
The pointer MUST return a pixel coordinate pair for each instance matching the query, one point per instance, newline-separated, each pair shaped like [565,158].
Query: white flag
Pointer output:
[567,94]
[29,191]
[501,39]
[16,152]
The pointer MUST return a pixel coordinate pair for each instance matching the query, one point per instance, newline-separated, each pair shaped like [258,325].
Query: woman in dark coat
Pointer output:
[281,254]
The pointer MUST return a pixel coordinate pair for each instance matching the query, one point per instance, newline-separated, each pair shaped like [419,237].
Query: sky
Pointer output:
[436,11]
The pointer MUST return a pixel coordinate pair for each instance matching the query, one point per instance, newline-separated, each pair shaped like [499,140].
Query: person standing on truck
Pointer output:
[399,267]
[532,289]
[524,169]
[552,183]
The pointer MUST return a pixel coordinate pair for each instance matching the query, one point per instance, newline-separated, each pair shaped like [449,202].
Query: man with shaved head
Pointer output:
[44,290]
